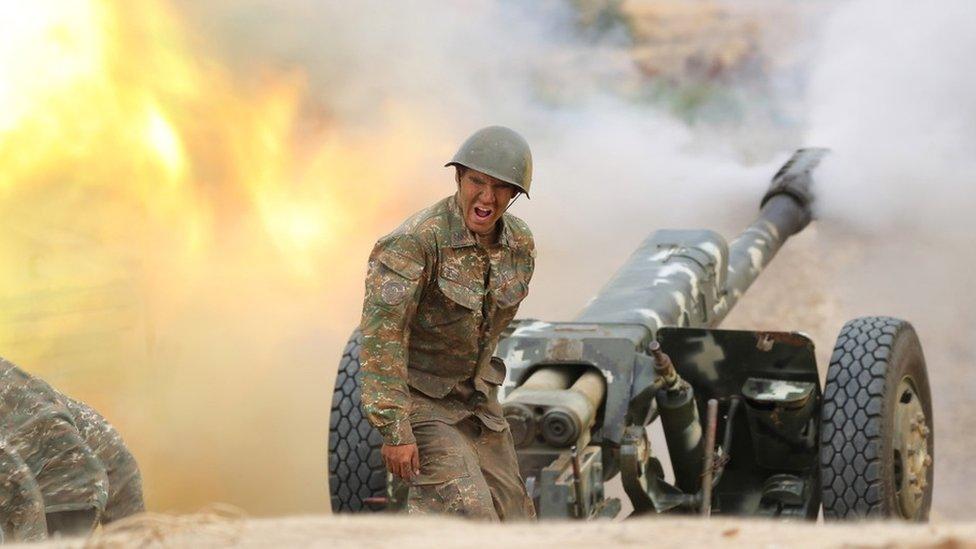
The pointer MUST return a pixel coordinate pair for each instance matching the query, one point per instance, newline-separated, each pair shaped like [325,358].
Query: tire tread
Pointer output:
[356,470]
[853,415]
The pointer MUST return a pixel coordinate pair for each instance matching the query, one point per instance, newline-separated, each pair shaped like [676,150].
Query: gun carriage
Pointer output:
[748,427]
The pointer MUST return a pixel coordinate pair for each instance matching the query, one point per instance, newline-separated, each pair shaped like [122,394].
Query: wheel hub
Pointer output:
[911,454]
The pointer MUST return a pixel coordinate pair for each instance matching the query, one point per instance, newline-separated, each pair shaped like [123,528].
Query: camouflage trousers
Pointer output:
[468,470]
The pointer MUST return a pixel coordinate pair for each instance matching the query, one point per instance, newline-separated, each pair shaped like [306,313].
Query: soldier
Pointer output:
[124,479]
[439,291]
[63,468]
[21,503]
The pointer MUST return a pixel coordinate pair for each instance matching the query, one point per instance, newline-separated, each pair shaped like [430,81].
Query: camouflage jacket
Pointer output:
[21,502]
[74,459]
[124,479]
[436,303]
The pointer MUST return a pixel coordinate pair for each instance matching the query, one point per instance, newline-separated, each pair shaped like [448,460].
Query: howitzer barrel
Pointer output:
[785,211]
[600,364]
[692,277]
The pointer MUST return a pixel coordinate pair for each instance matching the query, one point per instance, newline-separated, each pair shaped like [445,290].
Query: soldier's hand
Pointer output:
[403,461]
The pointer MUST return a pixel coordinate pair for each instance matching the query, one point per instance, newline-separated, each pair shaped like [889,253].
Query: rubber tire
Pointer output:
[871,357]
[356,469]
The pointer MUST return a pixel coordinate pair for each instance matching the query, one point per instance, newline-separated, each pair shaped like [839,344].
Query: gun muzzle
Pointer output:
[567,411]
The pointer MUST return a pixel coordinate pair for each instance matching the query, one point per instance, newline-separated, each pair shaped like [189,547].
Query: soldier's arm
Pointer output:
[526,245]
[394,284]
[40,428]
[21,503]
[124,480]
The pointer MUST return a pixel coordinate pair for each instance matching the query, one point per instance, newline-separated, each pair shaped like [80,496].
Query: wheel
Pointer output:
[876,440]
[356,470]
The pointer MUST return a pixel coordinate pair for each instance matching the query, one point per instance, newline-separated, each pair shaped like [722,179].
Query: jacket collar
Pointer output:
[460,234]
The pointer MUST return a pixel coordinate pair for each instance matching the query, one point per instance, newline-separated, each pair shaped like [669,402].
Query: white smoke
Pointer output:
[893,94]
[609,168]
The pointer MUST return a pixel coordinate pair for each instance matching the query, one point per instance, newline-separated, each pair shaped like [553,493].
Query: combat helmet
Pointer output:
[499,152]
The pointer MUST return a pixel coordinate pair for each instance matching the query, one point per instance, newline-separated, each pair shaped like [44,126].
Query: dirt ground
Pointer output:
[378,531]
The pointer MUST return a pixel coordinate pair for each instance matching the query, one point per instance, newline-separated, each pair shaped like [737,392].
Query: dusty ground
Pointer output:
[376,531]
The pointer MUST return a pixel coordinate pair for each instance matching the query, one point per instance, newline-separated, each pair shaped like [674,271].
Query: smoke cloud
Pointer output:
[609,166]
[891,93]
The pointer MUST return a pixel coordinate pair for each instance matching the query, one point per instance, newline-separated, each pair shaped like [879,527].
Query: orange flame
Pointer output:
[166,221]
[109,99]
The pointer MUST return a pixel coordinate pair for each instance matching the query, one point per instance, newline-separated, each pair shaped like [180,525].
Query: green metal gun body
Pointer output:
[589,382]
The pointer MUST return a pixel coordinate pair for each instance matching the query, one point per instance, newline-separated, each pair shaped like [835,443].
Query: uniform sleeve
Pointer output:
[38,426]
[394,283]
[525,243]
[124,480]
[21,503]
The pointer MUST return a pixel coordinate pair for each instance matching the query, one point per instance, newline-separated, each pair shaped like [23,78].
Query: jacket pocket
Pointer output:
[511,294]
[452,302]
[458,293]
[431,385]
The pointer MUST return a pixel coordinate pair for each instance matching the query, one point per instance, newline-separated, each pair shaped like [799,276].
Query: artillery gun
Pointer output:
[581,396]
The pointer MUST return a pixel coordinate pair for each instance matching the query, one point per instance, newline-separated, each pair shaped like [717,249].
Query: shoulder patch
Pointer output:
[393,291]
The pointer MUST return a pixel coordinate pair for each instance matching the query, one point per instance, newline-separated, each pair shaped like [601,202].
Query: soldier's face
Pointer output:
[483,200]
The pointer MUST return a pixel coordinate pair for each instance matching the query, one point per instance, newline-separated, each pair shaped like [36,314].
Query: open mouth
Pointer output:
[482,213]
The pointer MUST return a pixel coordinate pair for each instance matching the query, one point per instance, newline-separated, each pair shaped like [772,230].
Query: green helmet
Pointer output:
[499,152]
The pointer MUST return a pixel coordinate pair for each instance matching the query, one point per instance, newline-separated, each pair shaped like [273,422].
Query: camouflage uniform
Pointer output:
[436,303]
[21,503]
[70,454]
[124,479]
